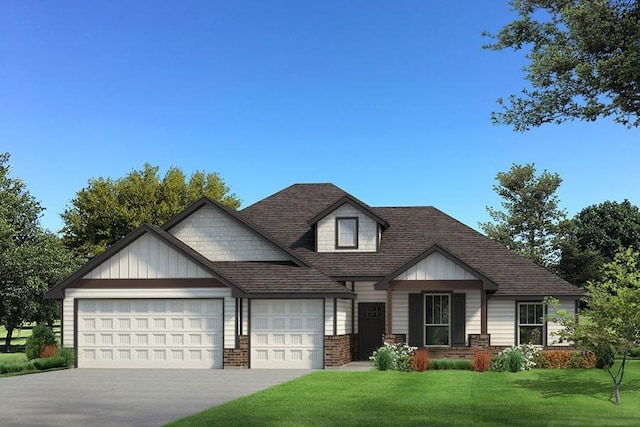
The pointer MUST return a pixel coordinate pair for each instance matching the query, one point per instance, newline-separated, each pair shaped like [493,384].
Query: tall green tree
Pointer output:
[107,210]
[583,61]
[531,222]
[598,232]
[613,309]
[32,260]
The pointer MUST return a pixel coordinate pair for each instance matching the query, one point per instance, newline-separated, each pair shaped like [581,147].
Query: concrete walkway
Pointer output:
[125,397]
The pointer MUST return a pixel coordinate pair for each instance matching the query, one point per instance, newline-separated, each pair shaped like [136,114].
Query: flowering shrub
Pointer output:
[401,355]
[514,359]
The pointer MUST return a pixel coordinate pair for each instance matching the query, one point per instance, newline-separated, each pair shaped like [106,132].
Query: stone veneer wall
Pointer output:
[338,349]
[237,357]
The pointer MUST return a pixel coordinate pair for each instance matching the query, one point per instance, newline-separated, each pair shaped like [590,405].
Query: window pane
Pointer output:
[445,309]
[523,313]
[539,314]
[428,300]
[437,335]
[347,232]
[531,335]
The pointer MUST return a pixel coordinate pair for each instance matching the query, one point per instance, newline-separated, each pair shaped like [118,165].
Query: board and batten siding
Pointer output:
[436,267]
[502,321]
[366,293]
[148,257]
[220,237]
[400,320]
[367,231]
[149,294]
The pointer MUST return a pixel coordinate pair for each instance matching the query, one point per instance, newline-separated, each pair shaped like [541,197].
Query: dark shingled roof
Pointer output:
[412,230]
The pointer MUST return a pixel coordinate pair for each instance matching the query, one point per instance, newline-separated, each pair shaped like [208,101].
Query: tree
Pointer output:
[532,224]
[597,234]
[107,210]
[584,61]
[32,260]
[614,313]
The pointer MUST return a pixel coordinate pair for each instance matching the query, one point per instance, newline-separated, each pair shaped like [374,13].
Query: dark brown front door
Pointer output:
[370,327]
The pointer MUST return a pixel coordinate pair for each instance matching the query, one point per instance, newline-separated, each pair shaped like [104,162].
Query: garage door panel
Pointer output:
[287,334]
[150,334]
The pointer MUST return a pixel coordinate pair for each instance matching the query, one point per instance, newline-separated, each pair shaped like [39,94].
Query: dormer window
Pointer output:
[347,233]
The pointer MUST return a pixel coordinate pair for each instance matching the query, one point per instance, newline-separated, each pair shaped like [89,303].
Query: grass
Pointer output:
[12,358]
[543,397]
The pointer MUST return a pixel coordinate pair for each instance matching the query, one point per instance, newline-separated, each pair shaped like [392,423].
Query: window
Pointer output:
[437,310]
[530,323]
[347,233]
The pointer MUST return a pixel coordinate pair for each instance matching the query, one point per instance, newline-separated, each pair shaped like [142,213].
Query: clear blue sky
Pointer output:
[388,100]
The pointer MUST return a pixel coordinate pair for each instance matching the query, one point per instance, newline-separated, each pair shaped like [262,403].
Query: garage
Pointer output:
[150,333]
[287,334]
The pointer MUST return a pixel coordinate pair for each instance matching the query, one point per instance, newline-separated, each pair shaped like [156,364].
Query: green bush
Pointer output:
[605,356]
[635,352]
[451,364]
[12,368]
[49,363]
[401,356]
[515,361]
[68,356]
[41,336]
[382,358]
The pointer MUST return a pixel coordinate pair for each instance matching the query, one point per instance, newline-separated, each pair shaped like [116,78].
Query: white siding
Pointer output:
[367,231]
[366,293]
[220,237]
[501,322]
[328,316]
[344,316]
[473,312]
[436,267]
[169,293]
[400,313]
[245,316]
[148,257]
[570,307]
[501,318]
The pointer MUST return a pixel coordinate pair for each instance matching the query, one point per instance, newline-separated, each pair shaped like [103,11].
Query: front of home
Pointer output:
[307,278]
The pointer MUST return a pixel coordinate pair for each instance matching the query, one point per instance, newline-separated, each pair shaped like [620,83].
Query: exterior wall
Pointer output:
[344,316]
[436,267]
[400,319]
[501,321]
[367,231]
[328,316]
[147,257]
[366,293]
[220,237]
[237,357]
[338,349]
[72,294]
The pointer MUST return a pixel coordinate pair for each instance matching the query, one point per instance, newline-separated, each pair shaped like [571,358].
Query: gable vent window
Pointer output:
[347,233]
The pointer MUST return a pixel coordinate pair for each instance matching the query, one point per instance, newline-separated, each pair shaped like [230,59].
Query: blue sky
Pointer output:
[388,100]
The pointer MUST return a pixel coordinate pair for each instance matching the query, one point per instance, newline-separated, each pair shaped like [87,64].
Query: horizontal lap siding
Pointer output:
[225,293]
[473,312]
[148,257]
[366,293]
[570,307]
[400,310]
[344,316]
[328,317]
[501,318]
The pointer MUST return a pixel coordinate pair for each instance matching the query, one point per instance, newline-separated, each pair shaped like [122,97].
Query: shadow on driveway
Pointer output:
[126,397]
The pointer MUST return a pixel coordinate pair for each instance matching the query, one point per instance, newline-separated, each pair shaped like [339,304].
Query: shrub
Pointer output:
[514,359]
[605,356]
[49,363]
[401,355]
[451,364]
[49,350]
[635,352]
[68,356]
[481,360]
[540,359]
[588,360]
[11,368]
[41,336]
[558,358]
[382,358]
[421,360]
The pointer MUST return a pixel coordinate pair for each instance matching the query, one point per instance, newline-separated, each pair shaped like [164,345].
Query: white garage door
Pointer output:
[140,333]
[287,334]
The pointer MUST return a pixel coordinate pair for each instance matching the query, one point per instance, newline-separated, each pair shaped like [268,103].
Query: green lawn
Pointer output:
[12,358]
[436,398]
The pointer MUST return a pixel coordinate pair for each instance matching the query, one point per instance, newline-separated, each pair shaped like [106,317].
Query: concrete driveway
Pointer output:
[125,397]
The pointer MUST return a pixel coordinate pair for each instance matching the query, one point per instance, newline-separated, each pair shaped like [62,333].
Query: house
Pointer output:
[309,277]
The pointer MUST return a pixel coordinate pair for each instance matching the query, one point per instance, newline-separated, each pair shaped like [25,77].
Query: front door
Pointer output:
[370,328]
